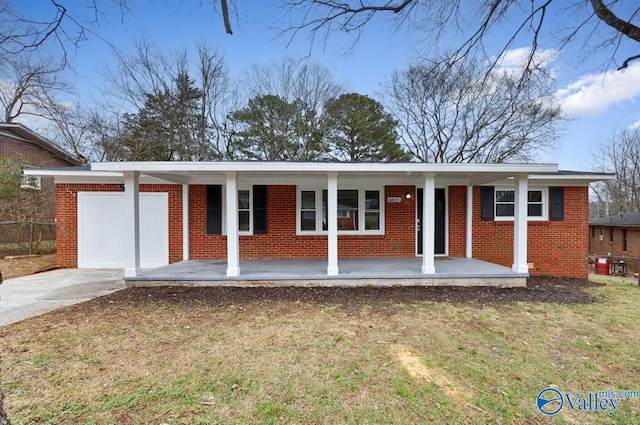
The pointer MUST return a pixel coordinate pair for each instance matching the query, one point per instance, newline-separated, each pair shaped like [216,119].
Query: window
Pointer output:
[31,182]
[593,232]
[252,210]
[359,211]
[348,210]
[610,235]
[624,240]
[505,204]
[372,210]
[308,210]
[244,211]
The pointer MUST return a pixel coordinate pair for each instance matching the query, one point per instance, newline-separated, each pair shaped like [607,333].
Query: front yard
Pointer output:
[266,355]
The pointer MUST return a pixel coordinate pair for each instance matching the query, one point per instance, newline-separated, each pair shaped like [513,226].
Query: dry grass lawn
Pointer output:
[185,361]
[15,266]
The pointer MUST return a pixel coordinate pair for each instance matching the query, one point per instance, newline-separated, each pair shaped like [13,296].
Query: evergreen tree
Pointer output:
[360,130]
[273,129]
[168,127]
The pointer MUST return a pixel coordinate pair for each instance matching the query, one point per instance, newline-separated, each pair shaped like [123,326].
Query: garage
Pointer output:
[101,233]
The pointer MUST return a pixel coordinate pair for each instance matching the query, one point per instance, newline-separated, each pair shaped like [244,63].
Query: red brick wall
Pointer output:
[67,218]
[606,247]
[457,220]
[556,248]
[22,151]
[281,240]
[32,154]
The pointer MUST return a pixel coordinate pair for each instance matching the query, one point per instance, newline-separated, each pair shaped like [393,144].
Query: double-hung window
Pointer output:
[244,211]
[358,211]
[307,211]
[505,204]
[251,206]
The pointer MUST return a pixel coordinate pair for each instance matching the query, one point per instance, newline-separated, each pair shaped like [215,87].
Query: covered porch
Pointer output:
[352,272]
[332,176]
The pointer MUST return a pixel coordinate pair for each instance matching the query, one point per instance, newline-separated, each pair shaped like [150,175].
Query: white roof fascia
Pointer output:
[557,180]
[268,166]
[62,172]
[85,176]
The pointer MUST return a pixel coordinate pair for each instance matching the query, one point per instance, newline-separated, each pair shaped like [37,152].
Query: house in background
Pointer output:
[618,238]
[413,222]
[24,146]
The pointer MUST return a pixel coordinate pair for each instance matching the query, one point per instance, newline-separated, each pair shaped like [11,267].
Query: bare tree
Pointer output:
[292,80]
[595,26]
[219,98]
[457,111]
[65,24]
[28,86]
[619,155]
[148,74]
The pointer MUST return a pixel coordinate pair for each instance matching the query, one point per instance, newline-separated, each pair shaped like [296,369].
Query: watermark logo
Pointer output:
[550,401]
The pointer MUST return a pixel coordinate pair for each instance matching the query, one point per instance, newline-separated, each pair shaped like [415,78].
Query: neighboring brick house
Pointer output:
[528,217]
[22,145]
[617,237]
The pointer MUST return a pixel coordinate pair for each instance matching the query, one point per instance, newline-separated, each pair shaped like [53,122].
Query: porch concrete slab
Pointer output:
[353,272]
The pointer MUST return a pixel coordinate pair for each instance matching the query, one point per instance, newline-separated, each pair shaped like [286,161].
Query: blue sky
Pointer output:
[601,101]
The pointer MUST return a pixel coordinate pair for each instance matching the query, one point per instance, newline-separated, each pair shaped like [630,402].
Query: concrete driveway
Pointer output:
[28,296]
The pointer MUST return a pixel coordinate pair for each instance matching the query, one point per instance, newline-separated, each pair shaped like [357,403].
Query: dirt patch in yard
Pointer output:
[539,289]
[24,265]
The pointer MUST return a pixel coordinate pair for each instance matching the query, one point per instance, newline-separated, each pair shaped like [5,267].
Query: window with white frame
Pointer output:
[359,211]
[505,204]
[244,210]
[372,210]
[308,210]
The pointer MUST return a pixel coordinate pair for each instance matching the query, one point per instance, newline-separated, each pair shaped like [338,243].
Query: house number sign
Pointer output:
[394,200]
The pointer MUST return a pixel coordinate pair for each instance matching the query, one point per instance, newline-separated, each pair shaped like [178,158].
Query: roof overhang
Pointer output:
[30,136]
[300,173]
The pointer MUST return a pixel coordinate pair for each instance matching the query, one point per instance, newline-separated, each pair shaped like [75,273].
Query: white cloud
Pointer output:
[635,125]
[517,58]
[593,94]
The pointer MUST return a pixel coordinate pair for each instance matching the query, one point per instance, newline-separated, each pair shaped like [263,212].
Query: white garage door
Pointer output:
[101,232]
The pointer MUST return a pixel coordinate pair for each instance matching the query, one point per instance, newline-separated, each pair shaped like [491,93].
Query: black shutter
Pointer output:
[259,209]
[487,198]
[557,203]
[214,210]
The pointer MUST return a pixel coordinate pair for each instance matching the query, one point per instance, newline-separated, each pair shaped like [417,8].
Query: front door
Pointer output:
[440,222]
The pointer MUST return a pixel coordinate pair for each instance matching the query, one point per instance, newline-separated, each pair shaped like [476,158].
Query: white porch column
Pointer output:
[469,239]
[233,241]
[520,225]
[185,222]
[332,224]
[428,224]
[132,223]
